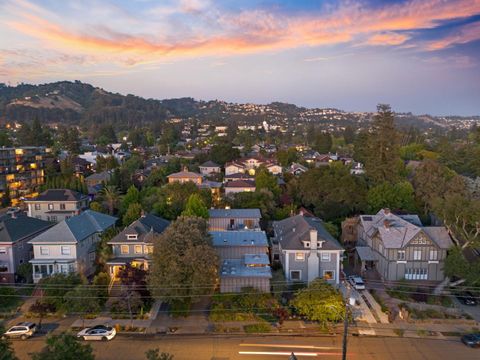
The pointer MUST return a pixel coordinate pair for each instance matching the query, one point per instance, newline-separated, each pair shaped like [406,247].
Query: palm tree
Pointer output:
[111,197]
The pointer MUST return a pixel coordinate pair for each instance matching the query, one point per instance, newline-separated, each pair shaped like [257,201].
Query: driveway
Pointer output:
[473,311]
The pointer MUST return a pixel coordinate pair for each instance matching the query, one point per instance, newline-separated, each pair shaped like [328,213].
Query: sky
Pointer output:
[421,56]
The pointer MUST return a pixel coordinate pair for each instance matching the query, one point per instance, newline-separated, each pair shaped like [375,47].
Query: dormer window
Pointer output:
[132,236]
[306,244]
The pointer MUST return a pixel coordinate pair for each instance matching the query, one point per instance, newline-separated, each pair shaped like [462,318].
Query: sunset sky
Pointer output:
[420,55]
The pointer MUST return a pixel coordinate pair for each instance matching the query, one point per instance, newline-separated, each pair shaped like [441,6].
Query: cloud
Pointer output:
[467,33]
[200,28]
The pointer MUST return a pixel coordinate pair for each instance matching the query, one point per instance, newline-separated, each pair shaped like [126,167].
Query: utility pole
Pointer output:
[345,324]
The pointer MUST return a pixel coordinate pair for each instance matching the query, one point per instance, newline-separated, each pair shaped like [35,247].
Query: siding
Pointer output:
[236,284]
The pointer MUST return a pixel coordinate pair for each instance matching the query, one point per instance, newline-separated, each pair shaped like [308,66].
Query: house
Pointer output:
[357,168]
[98,178]
[238,176]
[134,245]
[57,204]
[70,245]
[250,164]
[400,247]
[185,176]
[244,260]
[306,250]
[238,186]
[234,219]
[15,232]
[209,168]
[297,169]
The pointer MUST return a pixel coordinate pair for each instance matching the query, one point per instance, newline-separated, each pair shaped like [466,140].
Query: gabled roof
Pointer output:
[235,213]
[184,174]
[101,176]
[146,227]
[76,228]
[21,227]
[244,176]
[397,231]
[209,163]
[59,195]
[293,231]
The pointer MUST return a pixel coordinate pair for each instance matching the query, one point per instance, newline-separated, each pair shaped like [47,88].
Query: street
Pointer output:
[267,347]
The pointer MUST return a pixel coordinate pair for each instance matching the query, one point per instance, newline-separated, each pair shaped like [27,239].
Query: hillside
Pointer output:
[81,103]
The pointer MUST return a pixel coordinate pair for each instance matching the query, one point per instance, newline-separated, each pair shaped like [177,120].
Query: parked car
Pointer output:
[356,282]
[99,332]
[13,210]
[466,298]
[472,340]
[22,330]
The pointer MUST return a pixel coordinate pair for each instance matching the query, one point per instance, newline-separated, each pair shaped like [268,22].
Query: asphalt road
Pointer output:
[267,347]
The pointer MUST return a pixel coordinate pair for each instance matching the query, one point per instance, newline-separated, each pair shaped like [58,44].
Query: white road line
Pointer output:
[293,346]
[286,353]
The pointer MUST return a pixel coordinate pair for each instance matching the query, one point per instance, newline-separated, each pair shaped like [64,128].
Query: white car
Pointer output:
[99,332]
[357,282]
[22,330]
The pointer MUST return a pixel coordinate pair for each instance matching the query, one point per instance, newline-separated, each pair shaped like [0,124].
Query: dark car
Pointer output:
[467,298]
[472,340]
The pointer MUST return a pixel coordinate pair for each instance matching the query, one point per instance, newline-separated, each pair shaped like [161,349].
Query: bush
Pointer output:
[8,298]
[399,332]
[257,328]
[180,308]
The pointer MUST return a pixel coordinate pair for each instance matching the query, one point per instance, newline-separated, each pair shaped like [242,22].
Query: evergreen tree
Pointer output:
[195,207]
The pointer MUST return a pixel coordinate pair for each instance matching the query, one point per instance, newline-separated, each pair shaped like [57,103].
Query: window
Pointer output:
[300,256]
[44,250]
[3,268]
[62,206]
[3,250]
[401,255]
[416,274]
[53,218]
[37,206]
[433,255]
[124,249]
[50,206]
[325,257]
[295,275]
[65,250]
[329,275]
[132,236]
[307,244]
[417,254]
[276,257]
[248,223]
[138,249]
[148,249]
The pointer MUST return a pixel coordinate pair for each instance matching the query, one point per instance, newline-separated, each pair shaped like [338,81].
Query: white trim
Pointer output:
[290,275]
[302,254]
[325,253]
[334,277]
[401,261]
[433,262]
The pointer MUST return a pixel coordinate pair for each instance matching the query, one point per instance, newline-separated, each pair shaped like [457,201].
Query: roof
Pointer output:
[209,163]
[240,184]
[146,227]
[59,195]
[365,253]
[293,231]
[184,174]
[21,227]
[256,259]
[397,231]
[76,228]
[240,176]
[101,176]
[235,213]
[239,238]
[235,268]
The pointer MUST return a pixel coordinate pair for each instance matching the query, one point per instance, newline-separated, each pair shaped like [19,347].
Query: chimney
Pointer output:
[386,211]
[313,239]
[386,224]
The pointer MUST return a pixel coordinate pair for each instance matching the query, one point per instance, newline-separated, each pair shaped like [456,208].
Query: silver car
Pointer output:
[22,330]
[356,282]
[99,332]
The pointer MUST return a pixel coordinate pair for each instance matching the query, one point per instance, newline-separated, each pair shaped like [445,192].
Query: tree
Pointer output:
[399,196]
[286,157]
[266,180]
[195,207]
[320,301]
[155,354]
[96,206]
[186,267]
[64,347]
[224,152]
[132,196]
[349,134]
[323,142]
[111,197]
[133,212]
[104,251]
[82,300]
[6,350]
[57,285]
[383,161]
[24,271]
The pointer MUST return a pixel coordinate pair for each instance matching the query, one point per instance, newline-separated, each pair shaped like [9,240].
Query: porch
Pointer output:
[43,268]
[117,264]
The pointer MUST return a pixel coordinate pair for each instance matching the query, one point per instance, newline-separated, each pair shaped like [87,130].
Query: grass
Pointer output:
[380,301]
[180,309]
[399,332]
[257,328]
[219,328]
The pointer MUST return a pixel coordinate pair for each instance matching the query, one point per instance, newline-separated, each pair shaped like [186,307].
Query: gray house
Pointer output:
[306,250]
[400,247]
[134,245]
[244,260]
[15,232]
[70,245]
[234,219]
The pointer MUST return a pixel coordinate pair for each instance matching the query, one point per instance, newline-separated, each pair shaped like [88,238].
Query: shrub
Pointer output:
[399,332]
[257,328]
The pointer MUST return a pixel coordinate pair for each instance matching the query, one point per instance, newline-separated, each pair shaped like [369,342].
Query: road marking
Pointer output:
[286,353]
[293,346]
